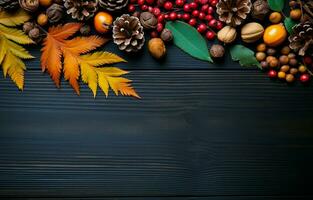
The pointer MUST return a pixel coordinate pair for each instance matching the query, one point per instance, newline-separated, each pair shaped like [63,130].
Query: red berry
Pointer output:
[209,17]
[186,16]
[156,11]
[210,35]
[195,13]
[154,34]
[192,22]
[210,10]
[179,16]
[202,28]
[159,27]
[219,25]
[180,3]
[150,2]
[131,8]
[308,60]
[161,18]
[166,16]
[187,8]
[212,23]
[144,7]
[202,15]
[204,8]
[193,5]
[213,2]
[203,1]
[150,9]
[304,78]
[272,74]
[173,16]
[168,5]
[141,2]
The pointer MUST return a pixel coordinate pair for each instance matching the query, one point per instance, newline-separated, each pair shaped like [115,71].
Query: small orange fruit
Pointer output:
[275,17]
[45,3]
[42,19]
[275,35]
[102,22]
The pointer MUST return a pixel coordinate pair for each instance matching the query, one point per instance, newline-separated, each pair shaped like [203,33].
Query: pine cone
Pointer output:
[9,5]
[113,5]
[81,9]
[233,12]
[301,41]
[55,13]
[128,33]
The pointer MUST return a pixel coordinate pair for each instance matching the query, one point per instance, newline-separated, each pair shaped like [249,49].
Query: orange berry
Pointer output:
[275,17]
[275,35]
[296,14]
[102,22]
[42,19]
[45,3]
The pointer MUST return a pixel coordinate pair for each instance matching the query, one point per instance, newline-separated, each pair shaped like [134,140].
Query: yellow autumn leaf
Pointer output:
[14,19]
[101,58]
[11,53]
[16,35]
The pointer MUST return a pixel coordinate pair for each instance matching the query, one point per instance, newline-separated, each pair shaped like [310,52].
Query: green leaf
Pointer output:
[289,24]
[244,55]
[276,5]
[189,40]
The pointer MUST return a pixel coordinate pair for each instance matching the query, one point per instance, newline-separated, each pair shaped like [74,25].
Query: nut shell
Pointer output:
[251,32]
[157,48]
[227,34]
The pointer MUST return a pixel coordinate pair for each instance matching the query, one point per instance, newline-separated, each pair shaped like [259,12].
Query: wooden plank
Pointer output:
[198,133]
[176,59]
[184,198]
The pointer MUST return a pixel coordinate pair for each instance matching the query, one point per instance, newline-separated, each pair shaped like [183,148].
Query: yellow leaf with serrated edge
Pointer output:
[3,48]
[18,50]
[14,67]
[89,76]
[15,18]
[16,35]
[101,58]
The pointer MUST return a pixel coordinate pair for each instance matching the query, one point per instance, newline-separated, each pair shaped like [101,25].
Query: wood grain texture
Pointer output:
[176,59]
[211,134]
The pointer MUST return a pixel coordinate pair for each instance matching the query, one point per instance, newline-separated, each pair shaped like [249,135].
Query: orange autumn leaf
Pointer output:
[60,54]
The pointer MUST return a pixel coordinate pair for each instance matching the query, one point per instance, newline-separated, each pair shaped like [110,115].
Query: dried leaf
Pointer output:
[57,47]
[11,53]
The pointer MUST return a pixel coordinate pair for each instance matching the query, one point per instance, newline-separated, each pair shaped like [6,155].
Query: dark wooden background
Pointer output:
[201,131]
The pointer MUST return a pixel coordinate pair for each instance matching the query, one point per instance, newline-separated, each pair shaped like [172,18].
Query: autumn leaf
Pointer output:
[57,48]
[11,52]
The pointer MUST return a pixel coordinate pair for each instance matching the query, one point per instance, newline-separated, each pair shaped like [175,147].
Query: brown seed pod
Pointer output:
[157,48]
[29,5]
[217,51]
[148,20]
[166,35]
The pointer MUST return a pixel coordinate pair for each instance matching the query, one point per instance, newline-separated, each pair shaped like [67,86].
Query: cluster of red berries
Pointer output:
[198,13]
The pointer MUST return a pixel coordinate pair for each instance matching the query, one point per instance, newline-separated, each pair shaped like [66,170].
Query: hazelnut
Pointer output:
[217,51]
[260,9]
[290,78]
[148,20]
[271,51]
[166,35]
[269,58]
[261,47]
[283,60]
[27,27]
[293,71]
[260,56]
[293,62]
[285,68]
[274,63]
[157,48]
[285,50]
[34,33]
[291,55]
